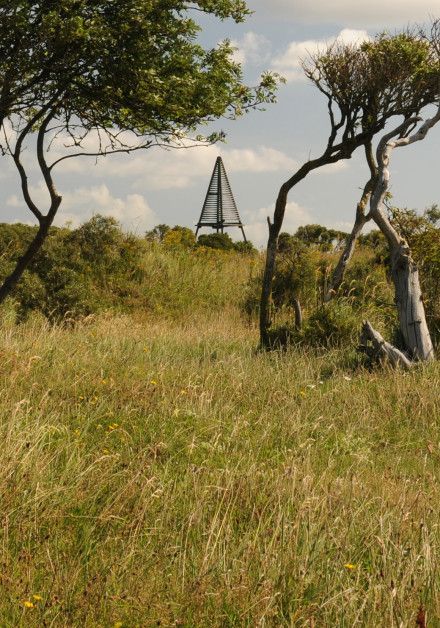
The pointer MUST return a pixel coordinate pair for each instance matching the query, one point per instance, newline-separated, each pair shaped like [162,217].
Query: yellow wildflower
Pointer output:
[37,598]
[113,426]
[28,604]
[302,393]
[118,624]
[350,566]
[77,432]
[153,382]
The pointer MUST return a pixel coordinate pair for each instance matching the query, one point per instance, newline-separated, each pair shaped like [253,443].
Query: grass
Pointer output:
[161,472]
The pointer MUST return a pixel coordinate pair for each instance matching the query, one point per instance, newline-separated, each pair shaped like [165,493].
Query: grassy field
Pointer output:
[161,472]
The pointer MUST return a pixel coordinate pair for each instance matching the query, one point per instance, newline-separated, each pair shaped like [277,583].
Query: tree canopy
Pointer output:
[103,76]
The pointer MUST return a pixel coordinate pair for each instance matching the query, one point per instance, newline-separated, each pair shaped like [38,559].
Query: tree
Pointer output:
[117,76]
[404,271]
[365,86]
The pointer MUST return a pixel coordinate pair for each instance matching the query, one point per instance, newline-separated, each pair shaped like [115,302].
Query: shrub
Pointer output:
[221,241]
[333,324]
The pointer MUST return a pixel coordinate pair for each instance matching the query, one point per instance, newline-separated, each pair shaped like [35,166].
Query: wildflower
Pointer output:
[183,392]
[77,432]
[118,624]
[104,382]
[153,382]
[347,379]
[81,398]
[350,566]
[302,393]
[28,604]
[113,426]
[37,598]
[105,452]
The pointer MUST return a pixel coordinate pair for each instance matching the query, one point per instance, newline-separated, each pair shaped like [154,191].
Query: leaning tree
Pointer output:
[98,77]
[365,87]
[404,271]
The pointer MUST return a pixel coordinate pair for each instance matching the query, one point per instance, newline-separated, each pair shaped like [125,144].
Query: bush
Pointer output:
[221,241]
[334,324]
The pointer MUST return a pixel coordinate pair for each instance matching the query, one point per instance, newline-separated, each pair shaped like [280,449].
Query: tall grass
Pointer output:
[159,471]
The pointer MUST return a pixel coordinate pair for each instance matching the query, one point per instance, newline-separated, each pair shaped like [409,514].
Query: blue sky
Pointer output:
[262,148]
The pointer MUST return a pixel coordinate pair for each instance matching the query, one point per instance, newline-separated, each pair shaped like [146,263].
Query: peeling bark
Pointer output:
[404,270]
[380,349]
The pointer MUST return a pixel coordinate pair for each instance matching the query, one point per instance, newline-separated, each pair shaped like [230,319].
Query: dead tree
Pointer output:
[404,271]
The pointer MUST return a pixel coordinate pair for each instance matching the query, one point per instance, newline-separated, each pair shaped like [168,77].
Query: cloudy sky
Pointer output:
[262,149]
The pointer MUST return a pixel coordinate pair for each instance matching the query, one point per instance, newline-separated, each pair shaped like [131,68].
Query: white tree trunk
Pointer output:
[405,273]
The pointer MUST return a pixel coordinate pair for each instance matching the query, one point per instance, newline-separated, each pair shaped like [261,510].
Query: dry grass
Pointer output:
[166,474]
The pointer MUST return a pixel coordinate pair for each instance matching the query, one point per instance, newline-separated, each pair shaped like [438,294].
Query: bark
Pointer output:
[44,116]
[404,271]
[380,349]
[23,262]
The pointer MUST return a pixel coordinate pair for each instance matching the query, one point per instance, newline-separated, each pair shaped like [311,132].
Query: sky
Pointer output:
[263,148]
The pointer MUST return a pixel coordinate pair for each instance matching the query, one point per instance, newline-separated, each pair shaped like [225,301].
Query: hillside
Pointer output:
[157,470]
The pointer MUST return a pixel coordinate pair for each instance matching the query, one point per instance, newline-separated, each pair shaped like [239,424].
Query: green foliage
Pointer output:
[224,242]
[158,233]
[333,324]
[179,237]
[134,65]
[98,267]
[295,275]
[319,236]
[245,247]
[220,241]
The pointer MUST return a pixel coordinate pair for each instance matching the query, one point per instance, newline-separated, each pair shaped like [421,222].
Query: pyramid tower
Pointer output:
[219,209]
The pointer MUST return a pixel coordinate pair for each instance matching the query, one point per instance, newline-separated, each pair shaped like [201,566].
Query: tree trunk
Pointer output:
[23,262]
[274,232]
[269,272]
[411,311]
[298,313]
[380,348]
[412,319]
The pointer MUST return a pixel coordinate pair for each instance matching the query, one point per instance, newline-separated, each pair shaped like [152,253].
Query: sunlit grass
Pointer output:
[166,472]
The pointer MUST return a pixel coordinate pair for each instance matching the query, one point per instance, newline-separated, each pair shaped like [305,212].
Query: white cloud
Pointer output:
[252,48]
[361,13]
[255,222]
[161,169]
[133,211]
[288,64]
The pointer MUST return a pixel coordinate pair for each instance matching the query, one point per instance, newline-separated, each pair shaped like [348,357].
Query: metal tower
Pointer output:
[219,209]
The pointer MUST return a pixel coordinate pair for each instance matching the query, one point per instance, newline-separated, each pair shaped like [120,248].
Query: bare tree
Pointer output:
[404,271]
